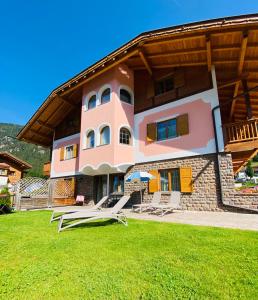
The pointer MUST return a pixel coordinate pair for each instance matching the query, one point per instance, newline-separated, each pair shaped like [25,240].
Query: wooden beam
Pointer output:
[249,112]
[97,73]
[232,81]
[197,50]
[169,40]
[66,101]
[45,125]
[44,136]
[145,61]
[208,48]
[246,161]
[239,69]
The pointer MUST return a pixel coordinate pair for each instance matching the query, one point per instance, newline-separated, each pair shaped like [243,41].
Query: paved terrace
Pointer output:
[215,219]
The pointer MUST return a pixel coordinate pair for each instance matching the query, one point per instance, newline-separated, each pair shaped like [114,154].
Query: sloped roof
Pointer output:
[8,157]
[231,44]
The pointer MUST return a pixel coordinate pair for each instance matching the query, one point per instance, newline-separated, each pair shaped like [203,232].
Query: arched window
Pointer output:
[105,136]
[91,139]
[125,96]
[125,136]
[105,96]
[92,102]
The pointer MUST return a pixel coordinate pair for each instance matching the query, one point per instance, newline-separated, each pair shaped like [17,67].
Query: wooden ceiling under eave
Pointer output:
[41,130]
[230,44]
[232,52]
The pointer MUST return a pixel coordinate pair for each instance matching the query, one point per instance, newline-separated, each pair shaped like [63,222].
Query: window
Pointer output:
[125,96]
[177,179]
[3,172]
[91,139]
[105,136]
[169,180]
[12,173]
[125,136]
[164,85]
[92,102]
[117,183]
[167,129]
[69,152]
[105,97]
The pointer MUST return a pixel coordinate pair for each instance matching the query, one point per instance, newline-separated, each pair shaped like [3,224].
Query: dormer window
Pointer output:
[92,102]
[164,85]
[105,97]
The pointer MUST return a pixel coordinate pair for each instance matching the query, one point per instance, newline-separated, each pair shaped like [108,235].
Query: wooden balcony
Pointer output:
[241,136]
[47,168]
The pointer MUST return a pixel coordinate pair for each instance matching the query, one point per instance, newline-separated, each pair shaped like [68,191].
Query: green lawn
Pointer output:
[146,260]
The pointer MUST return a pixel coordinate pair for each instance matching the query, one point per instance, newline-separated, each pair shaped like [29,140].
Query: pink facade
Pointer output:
[115,157]
[64,167]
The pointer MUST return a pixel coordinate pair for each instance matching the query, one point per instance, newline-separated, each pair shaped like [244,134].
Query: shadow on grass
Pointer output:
[92,224]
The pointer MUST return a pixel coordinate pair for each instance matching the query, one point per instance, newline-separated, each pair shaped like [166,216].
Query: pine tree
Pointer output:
[249,170]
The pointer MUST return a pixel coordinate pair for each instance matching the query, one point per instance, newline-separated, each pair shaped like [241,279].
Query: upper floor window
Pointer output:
[125,136]
[92,102]
[91,139]
[125,96]
[3,172]
[105,96]
[69,152]
[105,135]
[164,85]
[166,129]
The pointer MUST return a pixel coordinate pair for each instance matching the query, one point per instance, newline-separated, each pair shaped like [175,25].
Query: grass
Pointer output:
[146,260]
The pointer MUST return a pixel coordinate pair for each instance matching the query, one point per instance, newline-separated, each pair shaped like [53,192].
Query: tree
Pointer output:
[249,170]
[255,158]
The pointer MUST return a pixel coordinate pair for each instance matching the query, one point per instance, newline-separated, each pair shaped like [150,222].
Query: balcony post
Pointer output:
[249,112]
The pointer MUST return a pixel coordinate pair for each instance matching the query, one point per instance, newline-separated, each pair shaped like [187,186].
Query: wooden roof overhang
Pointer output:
[230,44]
[7,157]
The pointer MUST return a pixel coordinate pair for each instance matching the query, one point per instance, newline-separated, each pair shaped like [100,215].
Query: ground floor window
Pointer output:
[169,180]
[117,183]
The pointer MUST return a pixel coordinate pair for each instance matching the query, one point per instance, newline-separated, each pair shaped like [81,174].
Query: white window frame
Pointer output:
[65,152]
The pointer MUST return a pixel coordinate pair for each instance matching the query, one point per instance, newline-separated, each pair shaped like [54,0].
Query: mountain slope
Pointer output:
[35,155]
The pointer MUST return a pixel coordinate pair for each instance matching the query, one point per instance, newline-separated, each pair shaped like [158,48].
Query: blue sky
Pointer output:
[44,43]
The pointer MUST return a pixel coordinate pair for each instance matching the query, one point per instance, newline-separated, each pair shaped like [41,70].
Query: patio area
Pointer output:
[204,218]
[222,219]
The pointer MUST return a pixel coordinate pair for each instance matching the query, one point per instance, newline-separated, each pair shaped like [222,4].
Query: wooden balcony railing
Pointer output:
[47,168]
[242,131]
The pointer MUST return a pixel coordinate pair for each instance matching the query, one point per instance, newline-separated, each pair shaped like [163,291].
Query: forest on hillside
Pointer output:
[33,154]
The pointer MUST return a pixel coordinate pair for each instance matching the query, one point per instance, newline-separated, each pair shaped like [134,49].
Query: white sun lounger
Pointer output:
[85,217]
[58,212]
[146,206]
[174,203]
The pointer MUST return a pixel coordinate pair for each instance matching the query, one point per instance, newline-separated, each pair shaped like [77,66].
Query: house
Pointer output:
[178,102]
[12,168]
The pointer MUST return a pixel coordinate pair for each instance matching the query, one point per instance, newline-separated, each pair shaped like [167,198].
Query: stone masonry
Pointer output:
[84,186]
[206,192]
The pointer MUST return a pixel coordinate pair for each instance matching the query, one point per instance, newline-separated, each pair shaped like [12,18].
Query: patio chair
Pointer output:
[85,217]
[68,210]
[147,206]
[79,200]
[174,203]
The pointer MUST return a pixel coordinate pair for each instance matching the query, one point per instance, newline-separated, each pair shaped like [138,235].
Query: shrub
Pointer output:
[5,198]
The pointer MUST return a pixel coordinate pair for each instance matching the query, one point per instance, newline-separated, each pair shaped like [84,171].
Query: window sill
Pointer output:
[170,139]
[102,145]
[89,148]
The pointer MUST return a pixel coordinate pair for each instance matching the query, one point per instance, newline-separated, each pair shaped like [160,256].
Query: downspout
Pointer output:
[217,144]
[217,154]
